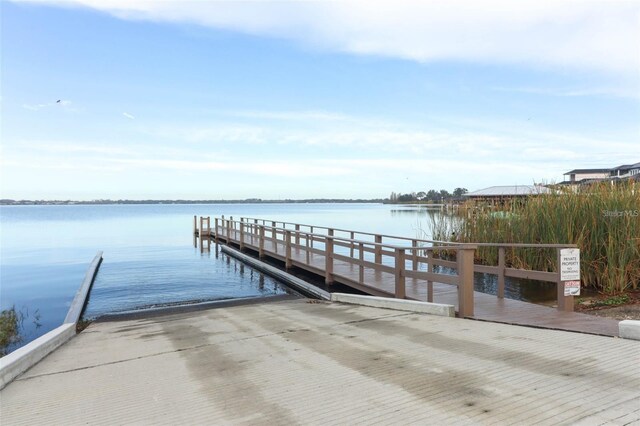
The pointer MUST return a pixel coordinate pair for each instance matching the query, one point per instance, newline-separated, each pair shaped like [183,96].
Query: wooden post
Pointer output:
[501,268]
[400,275]
[361,256]
[306,241]
[352,244]
[565,303]
[261,243]
[215,223]
[414,255]
[208,233]
[241,234]
[328,256]
[273,231]
[229,230]
[310,232]
[465,283]
[200,233]
[297,234]
[287,251]
[378,250]
[195,231]
[429,282]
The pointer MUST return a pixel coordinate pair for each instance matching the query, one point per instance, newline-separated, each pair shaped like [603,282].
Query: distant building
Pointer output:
[626,171]
[579,175]
[586,176]
[499,193]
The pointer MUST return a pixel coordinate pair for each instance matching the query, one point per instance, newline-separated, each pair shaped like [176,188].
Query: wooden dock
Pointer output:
[393,266]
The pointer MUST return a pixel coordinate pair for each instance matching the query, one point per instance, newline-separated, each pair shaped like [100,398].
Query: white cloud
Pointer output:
[35,107]
[592,34]
[58,104]
[129,116]
[574,92]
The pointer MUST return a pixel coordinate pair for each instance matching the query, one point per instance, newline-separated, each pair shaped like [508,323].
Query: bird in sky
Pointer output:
[58,101]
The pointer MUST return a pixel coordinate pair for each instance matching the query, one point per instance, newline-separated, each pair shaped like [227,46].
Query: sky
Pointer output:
[115,99]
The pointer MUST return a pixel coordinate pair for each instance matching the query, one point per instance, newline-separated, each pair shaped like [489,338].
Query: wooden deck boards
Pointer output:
[486,307]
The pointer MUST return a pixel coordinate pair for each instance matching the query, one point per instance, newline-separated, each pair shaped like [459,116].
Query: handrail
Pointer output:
[507,245]
[372,243]
[281,236]
[347,230]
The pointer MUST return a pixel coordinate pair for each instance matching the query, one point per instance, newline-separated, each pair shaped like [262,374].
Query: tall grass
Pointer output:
[603,220]
[10,323]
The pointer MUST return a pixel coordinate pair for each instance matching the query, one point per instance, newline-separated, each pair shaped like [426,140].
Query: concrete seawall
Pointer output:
[20,360]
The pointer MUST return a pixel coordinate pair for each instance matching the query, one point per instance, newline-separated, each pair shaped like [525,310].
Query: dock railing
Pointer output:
[363,260]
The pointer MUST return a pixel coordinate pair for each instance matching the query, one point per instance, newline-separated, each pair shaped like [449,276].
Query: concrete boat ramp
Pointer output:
[314,362]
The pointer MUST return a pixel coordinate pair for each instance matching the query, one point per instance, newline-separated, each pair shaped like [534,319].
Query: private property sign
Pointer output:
[570,271]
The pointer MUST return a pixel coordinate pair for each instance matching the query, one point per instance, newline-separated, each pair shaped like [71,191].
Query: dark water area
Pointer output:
[150,261]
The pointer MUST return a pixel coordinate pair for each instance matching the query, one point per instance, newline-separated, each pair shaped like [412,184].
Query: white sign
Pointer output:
[572,288]
[569,264]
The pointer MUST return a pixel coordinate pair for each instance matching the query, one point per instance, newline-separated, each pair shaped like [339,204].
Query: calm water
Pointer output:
[149,259]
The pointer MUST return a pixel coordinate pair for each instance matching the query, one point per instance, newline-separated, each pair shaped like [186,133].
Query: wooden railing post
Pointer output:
[273,231]
[328,256]
[361,256]
[400,274]
[465,283]
[261,243]
[429,282]
[307,242]
[208,233]
[200,233]
[353,235]
[229,230]
[241,234]
[287,251]
[414,255]
[565,303]
[501,268]
[378,249]
[195,231]
[297,234]
[215,234]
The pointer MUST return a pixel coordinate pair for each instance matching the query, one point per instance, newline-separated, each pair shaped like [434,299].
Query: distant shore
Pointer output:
[9,202]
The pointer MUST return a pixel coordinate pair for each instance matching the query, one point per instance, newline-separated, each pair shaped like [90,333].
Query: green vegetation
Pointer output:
[430,196]
[10,324]
[613,300]
[603,220]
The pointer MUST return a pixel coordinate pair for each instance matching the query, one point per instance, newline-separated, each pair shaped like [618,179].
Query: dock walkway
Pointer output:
[320,363]
[349,266]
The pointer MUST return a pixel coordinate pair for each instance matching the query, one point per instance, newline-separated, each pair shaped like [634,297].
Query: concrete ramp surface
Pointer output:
[298,362]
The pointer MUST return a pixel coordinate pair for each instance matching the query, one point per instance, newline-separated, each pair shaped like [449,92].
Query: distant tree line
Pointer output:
[431,195]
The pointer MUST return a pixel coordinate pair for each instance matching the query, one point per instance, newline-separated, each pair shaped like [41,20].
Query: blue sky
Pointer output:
[232,100]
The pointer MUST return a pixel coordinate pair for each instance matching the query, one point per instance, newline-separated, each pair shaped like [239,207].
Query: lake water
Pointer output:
[149,258]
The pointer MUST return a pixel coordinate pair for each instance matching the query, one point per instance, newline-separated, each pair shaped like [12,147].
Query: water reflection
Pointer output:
[533,291]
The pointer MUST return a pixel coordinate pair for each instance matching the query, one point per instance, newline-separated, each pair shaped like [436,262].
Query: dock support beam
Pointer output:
[501,268]
[429,254]
[261,246]
[400,275]
[328,255]
[465,286]
[287,249]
